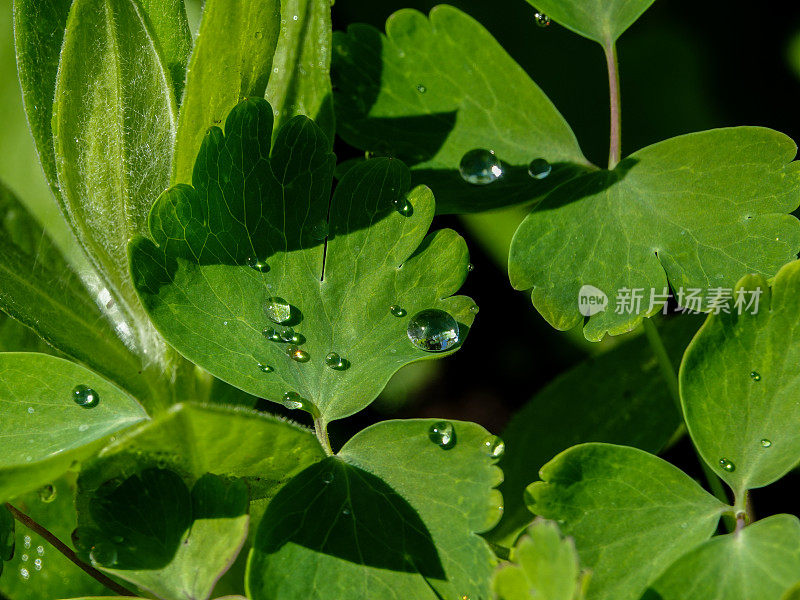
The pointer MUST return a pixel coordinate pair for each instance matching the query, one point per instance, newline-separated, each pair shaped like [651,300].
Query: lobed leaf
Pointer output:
[696,211]
[431,90]
[630,513]
[740,384]
[394,515]
[335,266]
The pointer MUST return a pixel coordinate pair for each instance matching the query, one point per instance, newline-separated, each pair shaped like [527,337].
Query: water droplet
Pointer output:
[31,410]
[421,88]
[271,334]
[765,443]
[346,511]
[103,553]
[442,434]
[278,310]
[470,267]
[727,465]
[40,550]
[433,330]
[495,447]
[397,311]
[47,493]
[37,564]
[24,558]
[83,427]
[334,361]
[539,168]
[755,375]
[264,368]
[474,309]
[403,206]
[85,396]
[327,478]
[480,167]
[294,18]
[320,230]
[293,400]
[26,542]
[23,572]
[542,20]
[290,336]
[297,354]
[257,265]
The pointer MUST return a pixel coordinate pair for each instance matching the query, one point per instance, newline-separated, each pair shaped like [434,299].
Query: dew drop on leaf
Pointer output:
[542,20]
[23,572]
[85,396]
[421,88]
[727,465]
[470,267]
[480,167]
[433,330]
[297,354]
[47,493]
[257,265]
[495,447]
[265,368]
[327,478]
[765,443]
[293,400]
[259,35]
[278,310]
[271,334]
[403,206]
[539,168]
[755,375]
[103,553]
[334,361]
[442,434]
[290,336]
[397,311]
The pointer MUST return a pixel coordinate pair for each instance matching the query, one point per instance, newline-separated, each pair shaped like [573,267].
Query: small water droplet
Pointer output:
[480,167]
[290,336]
[542,20]
[334,361]
[103,553]
[403,206]
[37,564]
[755,375]
[327,478]
[83,427]
[495,447]
[474,309]
[264,368]
[442,434]
[31,410]
[40,550]
[271,334]
[433,330]
[259,35]
[294,18]
[257,265]
[26,541]
[727,465]
[23,572]
[47,493]
[765,443]
[24,558]
[297,354]
[346,511]
[470,267]
[85,396]
[320,230]
[397,311]
[293,400]
[278,310]
[421,88]
[539,168]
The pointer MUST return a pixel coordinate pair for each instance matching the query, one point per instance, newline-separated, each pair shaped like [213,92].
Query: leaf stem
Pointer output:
[68,552]
[321,430]
[615,134]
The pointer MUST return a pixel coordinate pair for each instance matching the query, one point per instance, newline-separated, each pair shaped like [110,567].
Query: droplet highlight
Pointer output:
[755,375]
[297,354]
[271,334]
[85,396]
[539,168]
[433,330]
[765,443]
[334,361]
[257,265]
[495,447]
[442,434]
[421,88]
[727,465]
[293,401]
[397,311]
[542,20]
[278,310]
[265,368]
[480,167]
[403,206]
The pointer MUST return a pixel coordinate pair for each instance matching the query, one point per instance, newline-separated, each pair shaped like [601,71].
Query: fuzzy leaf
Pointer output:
[600,20]
[394,515]
[630,513]
[169,25]
[252,206]
[740,384]
[431,90]
[43,430]
[696,212]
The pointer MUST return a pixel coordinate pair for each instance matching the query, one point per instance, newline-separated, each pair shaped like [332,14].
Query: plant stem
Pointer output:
[615,134]
[321,430]
[67,551]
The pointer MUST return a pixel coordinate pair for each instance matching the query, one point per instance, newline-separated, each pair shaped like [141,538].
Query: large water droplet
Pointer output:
[257,265]
[294,401]
[397,311]
[297,354]
[765,443]
[539,168]
[47,493]
[755,375]
[442,434]
[271,334]
[85,396]
[334,361]
[433,330]
[727,465]
[290,336]
[403,206]
[480,167]
[103,553]
[265,368]
[278,310]
[542,20]
[495,447]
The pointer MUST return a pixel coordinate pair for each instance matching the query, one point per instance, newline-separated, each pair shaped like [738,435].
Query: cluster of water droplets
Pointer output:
[443,434]
[482,167]
[31,558]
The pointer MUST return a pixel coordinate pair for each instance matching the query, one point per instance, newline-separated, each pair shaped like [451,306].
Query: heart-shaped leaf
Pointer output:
[740,384]
[257,251]
[394,99]
[631,514]
[395,514]
[695,212]
[52,413]
[761,561]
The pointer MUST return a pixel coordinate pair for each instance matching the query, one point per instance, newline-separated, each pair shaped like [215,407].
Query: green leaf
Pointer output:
[248,207]
[168,24]
[232,59]
[175,544]
[114,131]
[37,570]
[696,212]
[792,594]
[631,514]
[6,536]
[43,430]
[431,90]
[394,515]
[600,20]
[761,561]
[619,397]
[300,82]
[740,384]
[546,567]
